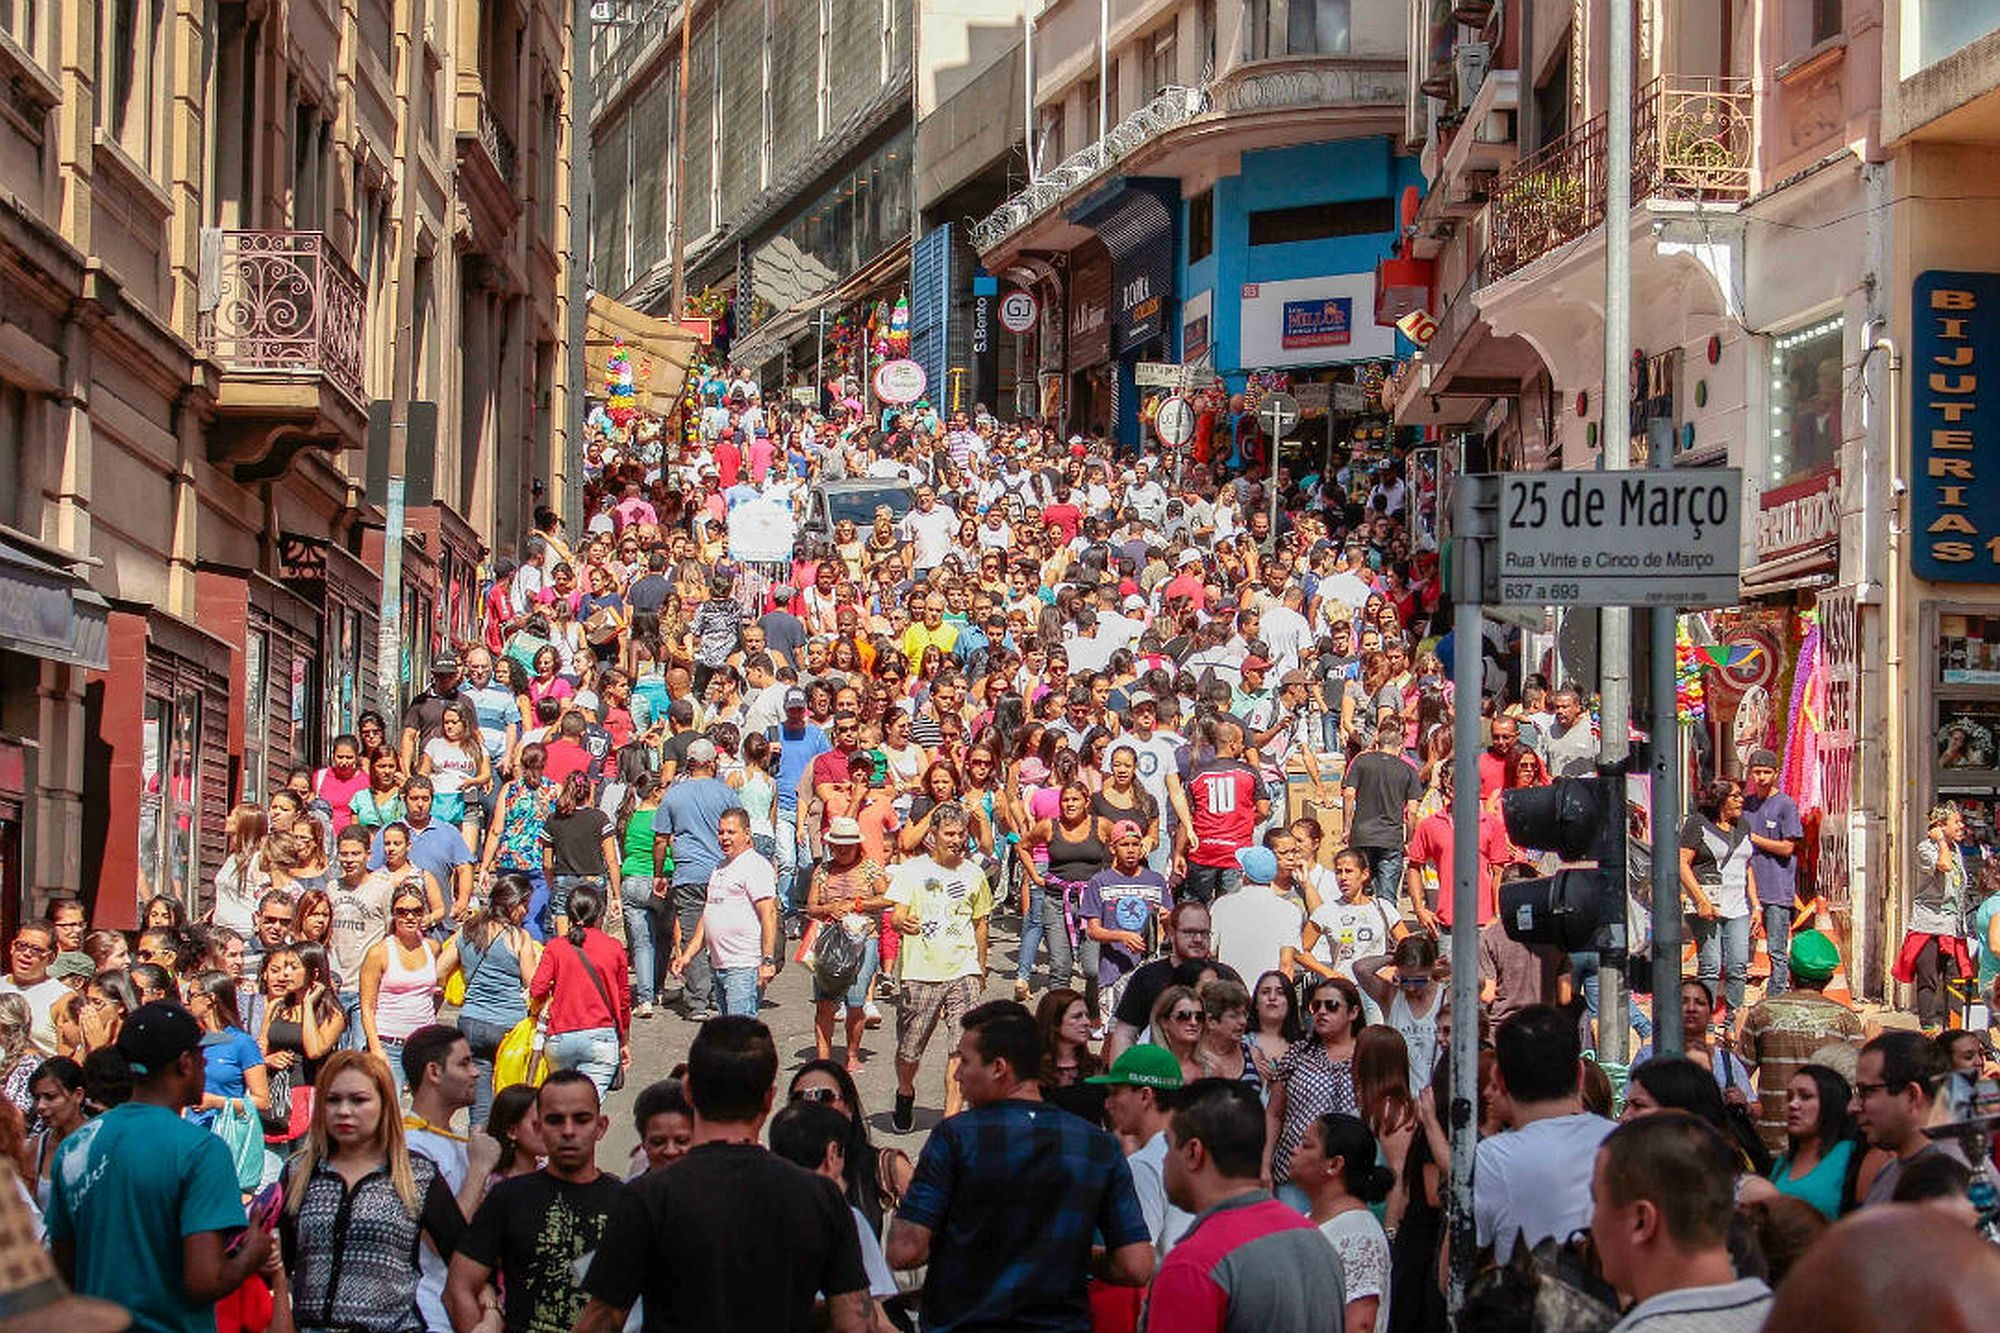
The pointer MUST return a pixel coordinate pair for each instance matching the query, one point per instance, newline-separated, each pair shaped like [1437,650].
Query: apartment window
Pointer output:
[1051,151]
[22,21]
[309,169]
[1091,92]
[126,99]
[427,97]
[1322,222]
[1806,388]
[14,427]
[1943,29]
[169,799]
[551,150]
[1826,23]
[1114,108]
[1161,56]
[1317,27]
[256,711]
[1201,226]
[378,30]
[1208,30]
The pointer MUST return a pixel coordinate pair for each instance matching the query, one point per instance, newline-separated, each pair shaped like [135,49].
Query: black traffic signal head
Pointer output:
[1579,819]
[1570,910]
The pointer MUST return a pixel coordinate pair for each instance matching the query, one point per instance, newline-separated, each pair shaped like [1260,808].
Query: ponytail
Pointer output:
[586,908]
[1347,1138]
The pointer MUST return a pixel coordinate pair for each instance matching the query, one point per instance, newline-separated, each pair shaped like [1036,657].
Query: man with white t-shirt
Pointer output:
[929,529]
[1159,770]
[1534,1182]
[1256,928]
[739,924]
[1138,1087]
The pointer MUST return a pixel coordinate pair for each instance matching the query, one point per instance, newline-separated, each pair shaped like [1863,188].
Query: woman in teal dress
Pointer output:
[1823,1149]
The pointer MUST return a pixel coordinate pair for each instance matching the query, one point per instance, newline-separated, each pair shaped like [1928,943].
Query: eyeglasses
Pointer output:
[1186,1015]
[410,911]
[1863,1091]
[816,1095]
[30,948]
[273,919]
[1328,1006]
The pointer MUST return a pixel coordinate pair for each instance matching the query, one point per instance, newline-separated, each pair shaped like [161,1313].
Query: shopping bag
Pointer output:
[837,959]
[517,1060]
[243,1134]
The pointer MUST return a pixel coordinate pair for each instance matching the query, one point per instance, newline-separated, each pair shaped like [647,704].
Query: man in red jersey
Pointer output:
[1227,802]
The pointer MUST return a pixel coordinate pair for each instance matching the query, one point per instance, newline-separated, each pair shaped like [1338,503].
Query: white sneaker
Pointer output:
[642,1010]
[871,1015]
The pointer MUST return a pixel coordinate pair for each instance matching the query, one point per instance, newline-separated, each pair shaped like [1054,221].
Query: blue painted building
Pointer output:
[1277,263]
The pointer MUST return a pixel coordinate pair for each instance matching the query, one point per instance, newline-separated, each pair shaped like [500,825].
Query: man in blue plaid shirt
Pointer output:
[1011,1195]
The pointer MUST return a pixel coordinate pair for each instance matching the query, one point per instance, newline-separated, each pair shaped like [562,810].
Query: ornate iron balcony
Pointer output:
[499,145]
[282,303]
[1692,139]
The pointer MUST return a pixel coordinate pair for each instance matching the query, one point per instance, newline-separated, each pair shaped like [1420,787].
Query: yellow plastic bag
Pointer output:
[517,1060]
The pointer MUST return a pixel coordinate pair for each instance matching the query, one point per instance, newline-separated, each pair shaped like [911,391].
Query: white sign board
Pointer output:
[1156,375]
[1174,422]
[1311,322]
[899,381]
[761,530]
[1018,311]
[1314,395]
[1659,537]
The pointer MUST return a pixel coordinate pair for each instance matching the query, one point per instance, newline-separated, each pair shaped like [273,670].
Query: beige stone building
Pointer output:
[243,248]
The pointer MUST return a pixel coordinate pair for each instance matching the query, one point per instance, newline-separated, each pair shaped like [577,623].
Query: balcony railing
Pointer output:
[1692,139]
[1174,106]
[282,303]
[499,145]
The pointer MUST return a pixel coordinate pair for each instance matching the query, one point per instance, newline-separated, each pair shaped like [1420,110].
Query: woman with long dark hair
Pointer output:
[1676,1083]
[1386,1105]
[234,1061]
[1274,1018]
[1067,1060]
[303,1023]
[514,840]
[498,957]
[1823,1148]
[876,1178]
[579,851]
[583,981]
[1715,885]
[1335,1164]
[1078,845]
[1315,1077]
[639,873]
[512,1122]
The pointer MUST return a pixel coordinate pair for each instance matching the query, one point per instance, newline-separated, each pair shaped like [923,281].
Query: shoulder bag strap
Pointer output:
[603,991]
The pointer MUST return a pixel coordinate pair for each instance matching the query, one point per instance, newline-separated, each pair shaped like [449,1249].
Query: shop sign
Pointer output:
[1194,325]
[1309,322]
[985,339]
[1328,323]
[1954,480]
[1018,311]
[1089,325]
[900,381]
[1655,538]
[1799,517]
[1156,375]
[1840,658]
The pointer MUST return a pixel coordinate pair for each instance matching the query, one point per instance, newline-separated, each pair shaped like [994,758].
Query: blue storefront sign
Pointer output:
[1955,441]
[1319,323]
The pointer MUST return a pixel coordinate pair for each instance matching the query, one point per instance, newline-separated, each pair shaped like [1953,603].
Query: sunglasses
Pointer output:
[1186,1015]
[409,911]
[1328,1006]
[816,1095]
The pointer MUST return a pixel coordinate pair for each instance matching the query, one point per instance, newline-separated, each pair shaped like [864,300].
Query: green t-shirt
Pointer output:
[128,1186]
[638,859]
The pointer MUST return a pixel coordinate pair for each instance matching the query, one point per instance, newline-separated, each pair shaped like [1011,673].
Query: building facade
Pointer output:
[251,256]
[1209,183]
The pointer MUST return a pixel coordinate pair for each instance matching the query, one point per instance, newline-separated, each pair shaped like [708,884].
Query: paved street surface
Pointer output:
[661,1042]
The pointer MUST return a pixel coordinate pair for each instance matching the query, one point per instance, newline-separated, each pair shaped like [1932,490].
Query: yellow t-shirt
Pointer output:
[946,904]
[920,636]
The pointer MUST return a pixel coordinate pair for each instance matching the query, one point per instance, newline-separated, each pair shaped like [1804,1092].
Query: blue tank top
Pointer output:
[493,981]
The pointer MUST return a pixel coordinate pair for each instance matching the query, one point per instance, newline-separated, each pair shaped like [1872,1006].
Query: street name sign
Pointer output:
[1658,537]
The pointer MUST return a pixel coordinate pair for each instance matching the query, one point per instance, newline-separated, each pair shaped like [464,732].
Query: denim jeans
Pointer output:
[697,983]
[538,901]
[484,1038]
[1067,950]
[594,1051]
[739,990]
[787,861]
[352,1038]
[637,892]
[1584,969]
[392,1051]
[1778,937]
[1031,932]
[1385,867]
[1722,953]
[1205,884]
[568,884]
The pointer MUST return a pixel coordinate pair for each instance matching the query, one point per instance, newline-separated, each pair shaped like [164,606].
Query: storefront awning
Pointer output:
[661,352]
[48,612]
[1812,568]
[890,268]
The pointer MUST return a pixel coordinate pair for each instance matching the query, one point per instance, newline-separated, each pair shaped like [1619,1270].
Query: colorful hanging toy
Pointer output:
[621,395]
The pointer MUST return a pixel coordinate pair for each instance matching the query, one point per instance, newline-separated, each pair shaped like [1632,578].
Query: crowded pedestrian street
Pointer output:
[1179,666]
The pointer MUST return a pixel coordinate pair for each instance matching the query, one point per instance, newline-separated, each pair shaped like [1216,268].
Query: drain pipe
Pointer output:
[1894,739]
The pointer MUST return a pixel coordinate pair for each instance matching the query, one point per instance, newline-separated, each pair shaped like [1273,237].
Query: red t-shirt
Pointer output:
[1431,848]
[1188,586]
[1065,517]
[728,462]
[1492,773]
[564,758]
[1222,805]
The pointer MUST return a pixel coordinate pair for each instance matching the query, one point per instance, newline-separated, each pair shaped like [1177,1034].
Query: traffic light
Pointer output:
[1576,909]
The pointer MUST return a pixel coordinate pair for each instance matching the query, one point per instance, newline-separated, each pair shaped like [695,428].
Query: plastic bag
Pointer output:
[837,959]
[243,1134]
[519,1059]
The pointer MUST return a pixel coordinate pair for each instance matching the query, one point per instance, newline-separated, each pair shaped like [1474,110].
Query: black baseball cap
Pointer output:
[157,1034]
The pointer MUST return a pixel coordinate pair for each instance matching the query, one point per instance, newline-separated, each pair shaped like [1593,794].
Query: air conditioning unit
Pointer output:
[1470,60]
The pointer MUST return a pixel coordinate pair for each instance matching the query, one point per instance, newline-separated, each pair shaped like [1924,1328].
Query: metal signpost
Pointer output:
[1279,415]
[1665,538]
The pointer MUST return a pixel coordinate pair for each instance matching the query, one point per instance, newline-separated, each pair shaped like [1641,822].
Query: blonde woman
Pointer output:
[357,1205]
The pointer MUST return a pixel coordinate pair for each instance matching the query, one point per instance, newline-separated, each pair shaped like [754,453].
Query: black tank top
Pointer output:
[1076,861]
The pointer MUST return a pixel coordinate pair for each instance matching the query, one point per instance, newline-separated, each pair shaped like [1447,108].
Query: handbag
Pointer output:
[455,986]
[837,959]
[517,1058]
[604,993]
[278,1119]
